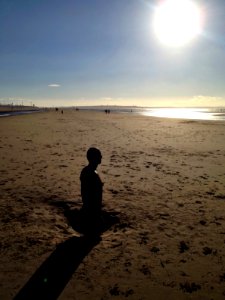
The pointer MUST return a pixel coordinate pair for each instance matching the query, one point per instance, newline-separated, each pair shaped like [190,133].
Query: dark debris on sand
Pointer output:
[183,247]
[190,287]
[115,291]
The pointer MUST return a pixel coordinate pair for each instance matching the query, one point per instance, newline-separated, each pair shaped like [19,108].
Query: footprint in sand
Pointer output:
[144,238]
[203,222]
[183,247]
[207,251]
[155,249]
[145,270]
[222,277]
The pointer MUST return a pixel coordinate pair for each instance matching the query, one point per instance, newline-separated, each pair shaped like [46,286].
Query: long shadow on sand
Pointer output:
[53,275]
[50,279]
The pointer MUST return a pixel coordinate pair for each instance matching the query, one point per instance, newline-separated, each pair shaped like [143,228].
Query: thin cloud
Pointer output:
[107,98]
[54,85]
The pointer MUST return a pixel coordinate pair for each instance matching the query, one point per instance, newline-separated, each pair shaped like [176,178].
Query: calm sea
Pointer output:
[15,113]
[212,113]
[215,114]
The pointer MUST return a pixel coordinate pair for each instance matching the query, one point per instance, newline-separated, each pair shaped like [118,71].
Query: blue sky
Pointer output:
[90,52]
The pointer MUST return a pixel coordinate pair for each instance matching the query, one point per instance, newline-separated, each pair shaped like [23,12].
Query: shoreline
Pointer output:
[18,112]
[125,113]
[17,108]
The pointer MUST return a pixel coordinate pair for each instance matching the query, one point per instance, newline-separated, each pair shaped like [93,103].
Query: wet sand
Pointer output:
[164,178]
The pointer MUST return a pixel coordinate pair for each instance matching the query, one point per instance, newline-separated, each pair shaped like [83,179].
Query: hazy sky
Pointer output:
[88,52]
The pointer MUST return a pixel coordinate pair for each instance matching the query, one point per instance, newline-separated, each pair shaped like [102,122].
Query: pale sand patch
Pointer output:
[164,177]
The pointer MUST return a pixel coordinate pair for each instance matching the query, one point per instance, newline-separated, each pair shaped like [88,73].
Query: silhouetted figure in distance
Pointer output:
[91,190]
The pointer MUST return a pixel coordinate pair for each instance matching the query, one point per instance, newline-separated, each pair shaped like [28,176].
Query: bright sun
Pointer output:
[177,22]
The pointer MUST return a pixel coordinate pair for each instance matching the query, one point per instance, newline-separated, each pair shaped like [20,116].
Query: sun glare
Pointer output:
[177,22]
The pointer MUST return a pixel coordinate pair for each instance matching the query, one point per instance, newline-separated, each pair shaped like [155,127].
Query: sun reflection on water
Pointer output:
[181,113]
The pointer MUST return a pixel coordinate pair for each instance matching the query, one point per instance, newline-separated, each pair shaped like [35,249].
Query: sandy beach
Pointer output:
[163,178]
